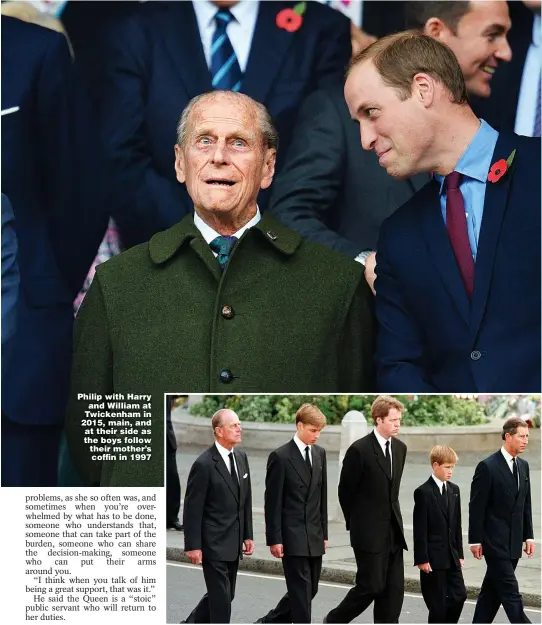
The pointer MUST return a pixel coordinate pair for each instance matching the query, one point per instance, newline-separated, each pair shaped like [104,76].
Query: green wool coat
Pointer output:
[287,316]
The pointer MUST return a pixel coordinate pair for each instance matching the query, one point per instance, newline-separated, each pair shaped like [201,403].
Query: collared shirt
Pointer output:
[382,442]
[240,30]
[225,453]
[301,446]
[209,234]
[438,482]
[474,164]
[509,458]
[528,91]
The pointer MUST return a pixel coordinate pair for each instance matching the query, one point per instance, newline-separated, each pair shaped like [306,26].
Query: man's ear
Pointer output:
[436,28]
[423,88]
[268,167]
[179,164]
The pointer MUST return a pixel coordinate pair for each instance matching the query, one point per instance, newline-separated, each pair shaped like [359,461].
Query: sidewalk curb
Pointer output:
[332,574]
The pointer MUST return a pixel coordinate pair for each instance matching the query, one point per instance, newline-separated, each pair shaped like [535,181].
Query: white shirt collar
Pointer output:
[508,457]
[205,11]
[382,441]
[225,453]
[209,234]
[301,445]
[438,482]
[536,30]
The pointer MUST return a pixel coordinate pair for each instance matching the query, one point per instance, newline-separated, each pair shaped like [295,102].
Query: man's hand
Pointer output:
[461,562]
[476,551]
[370,270]
[248,547]
[276,551]
[195,556]
[360,39]
[425,567]
[326,542]
[529,548]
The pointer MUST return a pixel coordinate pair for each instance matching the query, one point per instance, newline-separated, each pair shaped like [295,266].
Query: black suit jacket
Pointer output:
[500,516]
[368,498]
[331,190]
[217,520]
[296,501]
[437,526]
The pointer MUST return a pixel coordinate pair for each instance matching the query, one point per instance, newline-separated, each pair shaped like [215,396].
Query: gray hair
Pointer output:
[263,119]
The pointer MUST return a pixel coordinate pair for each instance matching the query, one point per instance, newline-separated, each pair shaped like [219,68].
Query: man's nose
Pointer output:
[367,136]
[220,154]
[504,52]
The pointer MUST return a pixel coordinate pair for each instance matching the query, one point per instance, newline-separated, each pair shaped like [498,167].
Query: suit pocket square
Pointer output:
[245,476]
[13,109]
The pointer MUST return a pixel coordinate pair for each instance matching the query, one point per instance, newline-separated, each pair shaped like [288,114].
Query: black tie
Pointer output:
[444,494]
[234,472]
[307,458]
[515,471]
[388,457]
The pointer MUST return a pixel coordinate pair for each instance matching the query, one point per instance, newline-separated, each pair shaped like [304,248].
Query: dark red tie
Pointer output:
[456,224]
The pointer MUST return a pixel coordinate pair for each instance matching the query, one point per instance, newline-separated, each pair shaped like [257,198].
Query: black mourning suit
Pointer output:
[500,518]
[217,518]
[369,499]
[296,517]
[173,484]
[438,540]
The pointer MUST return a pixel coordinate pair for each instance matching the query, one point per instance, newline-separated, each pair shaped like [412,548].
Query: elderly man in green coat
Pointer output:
[224,301]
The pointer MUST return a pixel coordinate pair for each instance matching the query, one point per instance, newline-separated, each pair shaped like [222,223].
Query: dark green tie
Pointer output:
[223,247]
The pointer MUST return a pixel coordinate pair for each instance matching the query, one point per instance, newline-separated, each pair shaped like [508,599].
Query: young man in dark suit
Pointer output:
[369,498]
[218,518]
[296,515]
[438,544]
[500,520]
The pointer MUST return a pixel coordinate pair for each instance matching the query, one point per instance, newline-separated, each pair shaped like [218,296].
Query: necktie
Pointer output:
[445,499]
[388,457]
[223,247]
[307,458]
[234,472]
[536,127]
[225,70]
[456,224]
[515,471]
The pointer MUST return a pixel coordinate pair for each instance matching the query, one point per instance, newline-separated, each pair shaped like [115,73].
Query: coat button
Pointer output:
[227,312]
[226,376]
[475,355]
[271,235]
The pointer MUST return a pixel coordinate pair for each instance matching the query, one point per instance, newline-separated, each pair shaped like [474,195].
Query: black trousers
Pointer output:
[500,586]
[444,594]
[215,605]
[173,487]
[380,578]
[302,575]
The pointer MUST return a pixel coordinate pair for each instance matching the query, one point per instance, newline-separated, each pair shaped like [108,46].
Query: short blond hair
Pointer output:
[309,414]
[382,405]
[442,454]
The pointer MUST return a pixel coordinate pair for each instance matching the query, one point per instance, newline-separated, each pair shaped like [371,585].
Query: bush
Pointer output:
[424,410]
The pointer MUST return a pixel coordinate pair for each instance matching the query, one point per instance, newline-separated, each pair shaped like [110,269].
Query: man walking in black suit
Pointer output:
[218,518]
[500,520]
[296,515]
[438,543]
[369,498]
[173,484]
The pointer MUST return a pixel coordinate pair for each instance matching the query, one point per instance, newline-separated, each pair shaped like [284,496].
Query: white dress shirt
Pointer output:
[528,90]
[240,30]
[301,446]
[438,482]
[225,453]
[209,234]
[382,442]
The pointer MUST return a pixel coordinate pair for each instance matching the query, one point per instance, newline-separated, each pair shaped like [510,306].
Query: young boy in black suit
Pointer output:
[438,543]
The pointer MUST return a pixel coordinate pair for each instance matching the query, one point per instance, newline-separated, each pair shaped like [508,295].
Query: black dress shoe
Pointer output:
[175,526]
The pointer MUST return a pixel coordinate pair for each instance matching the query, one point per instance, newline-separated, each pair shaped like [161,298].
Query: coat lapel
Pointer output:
[241,470]
[507,474]
[440,248]
[380,458]
[299,464]
[224,472]
[495,203]
[437,495]
[451,501]
[316,470]
[268,49]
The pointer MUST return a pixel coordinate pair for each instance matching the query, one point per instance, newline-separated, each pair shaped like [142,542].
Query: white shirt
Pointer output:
[438,482]
[225,453]
[209,234]
[301,446]
[528,90]
[509,459]
[240,30]
[382,442]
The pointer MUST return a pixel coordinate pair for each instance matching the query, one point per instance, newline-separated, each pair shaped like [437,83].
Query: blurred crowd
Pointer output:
[91,95]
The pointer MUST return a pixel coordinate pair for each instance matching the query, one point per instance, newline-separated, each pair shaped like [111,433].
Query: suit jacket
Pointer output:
[10,282]
[156,64]
[51,174]
[437,526]
[156,319]
[500,516]
[431,337]
[368,498]
[216,517]
[296,501]
[330,189]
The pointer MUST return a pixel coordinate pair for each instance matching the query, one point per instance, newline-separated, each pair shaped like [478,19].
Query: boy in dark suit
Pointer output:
[296,515]
[438,543]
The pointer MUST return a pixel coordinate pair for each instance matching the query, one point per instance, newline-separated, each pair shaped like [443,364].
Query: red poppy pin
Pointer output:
[499,168]
[291,19]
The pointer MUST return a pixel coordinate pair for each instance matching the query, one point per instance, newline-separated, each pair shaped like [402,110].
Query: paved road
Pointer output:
[256,594]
